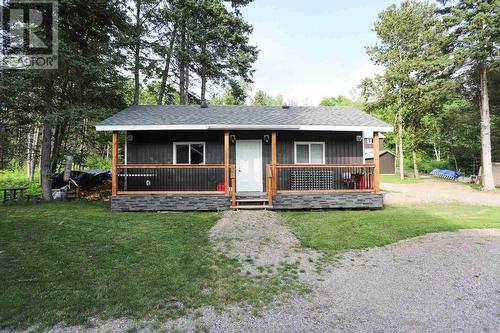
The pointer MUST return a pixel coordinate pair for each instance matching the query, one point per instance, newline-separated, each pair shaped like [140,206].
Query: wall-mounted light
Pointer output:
[130,137]
[359,138]
[266,138]
[233,138]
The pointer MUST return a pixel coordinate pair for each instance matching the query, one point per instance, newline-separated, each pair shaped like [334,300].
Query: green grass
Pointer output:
[66,262]
[334,231]
[394,179]
[17,178]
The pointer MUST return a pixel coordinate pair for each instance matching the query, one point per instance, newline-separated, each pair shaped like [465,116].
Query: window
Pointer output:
[189,153]
[309,152]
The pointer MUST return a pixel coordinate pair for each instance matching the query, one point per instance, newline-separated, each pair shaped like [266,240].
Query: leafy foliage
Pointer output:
[341,101]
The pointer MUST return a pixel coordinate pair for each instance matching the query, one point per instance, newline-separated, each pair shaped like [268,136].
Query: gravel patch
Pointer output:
[260,242]
[432,190]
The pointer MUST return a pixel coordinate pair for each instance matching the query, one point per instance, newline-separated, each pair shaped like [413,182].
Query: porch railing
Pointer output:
[170,178]
[324,177]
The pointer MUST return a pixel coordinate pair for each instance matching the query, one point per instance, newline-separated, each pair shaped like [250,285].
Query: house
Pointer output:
[192,157]
[387,158]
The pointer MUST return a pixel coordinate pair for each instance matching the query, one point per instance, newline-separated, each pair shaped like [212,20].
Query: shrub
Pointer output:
[97,162]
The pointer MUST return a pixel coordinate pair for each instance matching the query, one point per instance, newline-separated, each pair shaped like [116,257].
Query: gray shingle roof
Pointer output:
[369,153]
[219,116]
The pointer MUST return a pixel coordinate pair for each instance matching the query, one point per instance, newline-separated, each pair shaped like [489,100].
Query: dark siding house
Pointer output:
[219,157]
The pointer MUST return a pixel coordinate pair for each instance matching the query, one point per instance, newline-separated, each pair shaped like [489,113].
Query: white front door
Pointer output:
[249,165]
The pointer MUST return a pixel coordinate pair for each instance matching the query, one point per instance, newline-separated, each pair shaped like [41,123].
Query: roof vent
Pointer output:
[204,105]
[285,106]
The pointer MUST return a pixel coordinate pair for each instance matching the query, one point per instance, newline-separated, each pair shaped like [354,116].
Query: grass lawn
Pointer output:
[66,262]
[333,231]
[394,179]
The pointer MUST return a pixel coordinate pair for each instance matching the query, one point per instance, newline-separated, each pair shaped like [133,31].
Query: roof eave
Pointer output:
[244,127]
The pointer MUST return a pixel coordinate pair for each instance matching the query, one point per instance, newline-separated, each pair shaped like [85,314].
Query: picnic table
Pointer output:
[12,193]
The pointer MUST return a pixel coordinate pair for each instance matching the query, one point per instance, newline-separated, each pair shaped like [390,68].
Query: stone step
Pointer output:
[252,207]
[252,200]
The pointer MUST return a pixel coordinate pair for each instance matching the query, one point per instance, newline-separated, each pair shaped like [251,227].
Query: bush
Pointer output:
[427,166]
[97,162]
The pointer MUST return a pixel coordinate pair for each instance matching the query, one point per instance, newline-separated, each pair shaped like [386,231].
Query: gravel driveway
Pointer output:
[432,190]
[444,282]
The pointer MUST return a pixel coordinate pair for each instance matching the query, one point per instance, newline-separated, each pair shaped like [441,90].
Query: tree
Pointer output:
[411,50]
[263,98]
[475,30]
[85,86]
[235,94]
[341,101]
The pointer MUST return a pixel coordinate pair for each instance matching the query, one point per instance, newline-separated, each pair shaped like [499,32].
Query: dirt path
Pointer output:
[434,191]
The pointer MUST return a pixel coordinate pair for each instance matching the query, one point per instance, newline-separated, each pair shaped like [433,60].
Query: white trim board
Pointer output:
[244,127]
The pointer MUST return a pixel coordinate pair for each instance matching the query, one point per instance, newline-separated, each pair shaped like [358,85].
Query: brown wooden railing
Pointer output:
[148,178]
[324,177]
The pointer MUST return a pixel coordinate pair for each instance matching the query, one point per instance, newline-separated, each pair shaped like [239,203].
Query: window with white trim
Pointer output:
[309,153]
[189,152]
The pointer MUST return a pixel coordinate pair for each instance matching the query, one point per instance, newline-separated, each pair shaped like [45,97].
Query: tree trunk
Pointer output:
[401,154]
[203,89]
[36,153]
[186,81]
[416,174]
[488,183]
[137,50]
[182,66]
[46,161]
[164,75]
[69,160]
[437,151]
[57,143]
[3,144]
[32,153]
[29,154]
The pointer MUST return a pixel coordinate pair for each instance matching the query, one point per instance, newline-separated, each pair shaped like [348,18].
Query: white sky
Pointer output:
[312,49]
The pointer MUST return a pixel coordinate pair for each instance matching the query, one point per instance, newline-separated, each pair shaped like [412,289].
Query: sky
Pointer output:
[312,49]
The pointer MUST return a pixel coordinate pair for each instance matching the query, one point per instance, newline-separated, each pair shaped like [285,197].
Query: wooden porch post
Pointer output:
[376,160]
[273,161]
[114,164]
[226,163]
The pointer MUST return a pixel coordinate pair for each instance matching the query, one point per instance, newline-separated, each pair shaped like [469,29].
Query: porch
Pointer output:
[274,182]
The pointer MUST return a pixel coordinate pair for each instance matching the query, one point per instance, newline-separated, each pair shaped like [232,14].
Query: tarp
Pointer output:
[448,174]
[84,179]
